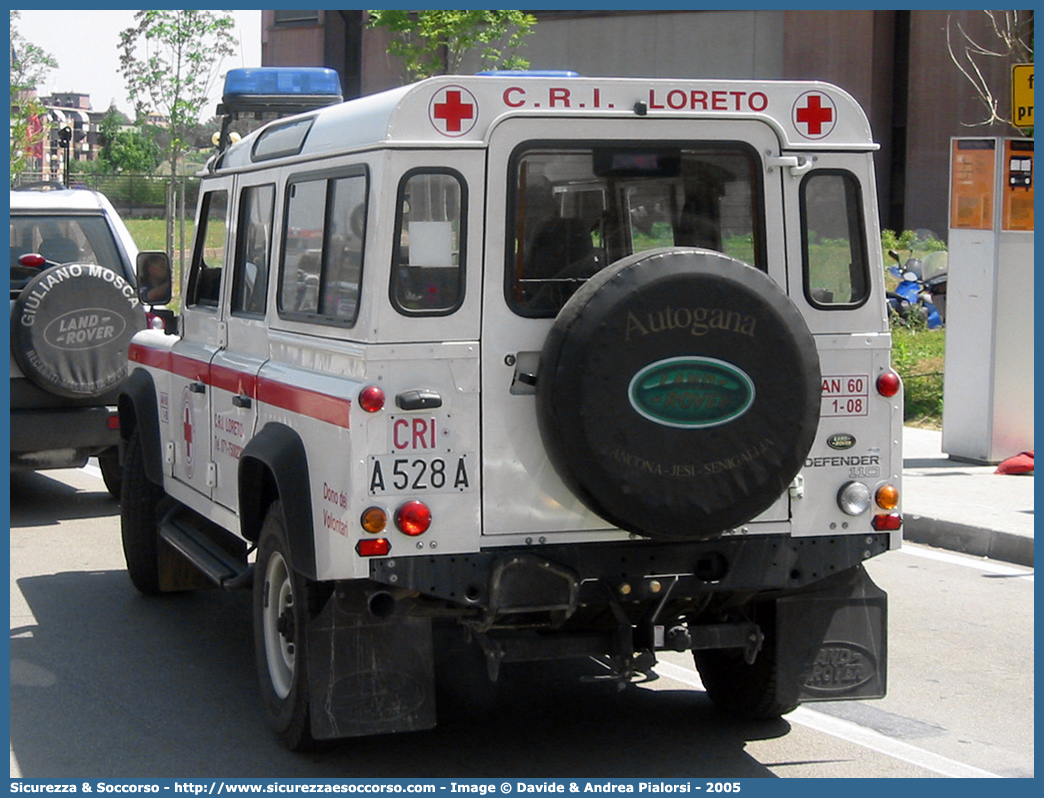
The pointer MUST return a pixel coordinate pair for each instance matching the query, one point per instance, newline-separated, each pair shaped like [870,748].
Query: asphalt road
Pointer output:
[108,684]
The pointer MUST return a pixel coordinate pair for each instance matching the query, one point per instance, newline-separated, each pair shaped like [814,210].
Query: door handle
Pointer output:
[197,387]
[241,400]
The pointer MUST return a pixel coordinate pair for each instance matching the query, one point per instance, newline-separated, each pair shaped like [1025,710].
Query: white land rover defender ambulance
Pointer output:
[581,367]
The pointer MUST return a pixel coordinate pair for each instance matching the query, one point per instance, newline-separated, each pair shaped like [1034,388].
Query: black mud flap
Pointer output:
[369,675]
[833,641]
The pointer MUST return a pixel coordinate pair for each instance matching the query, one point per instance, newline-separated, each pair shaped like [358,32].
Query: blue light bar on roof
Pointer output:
[286,82]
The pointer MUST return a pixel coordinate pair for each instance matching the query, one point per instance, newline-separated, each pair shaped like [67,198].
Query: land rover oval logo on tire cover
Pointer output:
[70,329]
[681,317]
[691,392]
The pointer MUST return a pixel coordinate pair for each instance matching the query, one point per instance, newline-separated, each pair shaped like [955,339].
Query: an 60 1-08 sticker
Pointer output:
[420,473]
[691,392]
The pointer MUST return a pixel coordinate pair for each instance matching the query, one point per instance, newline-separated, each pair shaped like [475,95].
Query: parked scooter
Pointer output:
[921,292]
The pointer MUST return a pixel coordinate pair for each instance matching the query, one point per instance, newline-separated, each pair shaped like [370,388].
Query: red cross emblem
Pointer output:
[453,111]
[814,115]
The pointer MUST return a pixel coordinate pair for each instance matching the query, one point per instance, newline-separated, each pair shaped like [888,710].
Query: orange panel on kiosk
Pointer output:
[971,199]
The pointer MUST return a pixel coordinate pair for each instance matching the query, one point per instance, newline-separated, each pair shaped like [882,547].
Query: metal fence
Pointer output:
[133,195]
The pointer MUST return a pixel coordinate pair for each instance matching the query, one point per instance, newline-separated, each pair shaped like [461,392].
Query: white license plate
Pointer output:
[420,473]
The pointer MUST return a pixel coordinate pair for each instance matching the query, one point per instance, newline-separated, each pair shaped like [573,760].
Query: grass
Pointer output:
[918,355]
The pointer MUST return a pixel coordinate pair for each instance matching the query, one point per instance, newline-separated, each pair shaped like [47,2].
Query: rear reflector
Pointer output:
[113,421]
[887,523]
[375,547]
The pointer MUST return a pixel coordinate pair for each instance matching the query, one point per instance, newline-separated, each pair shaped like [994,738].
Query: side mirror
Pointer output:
[894,255]
[154,277]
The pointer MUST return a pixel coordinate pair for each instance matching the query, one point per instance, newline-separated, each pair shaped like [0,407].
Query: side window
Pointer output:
[428,259]
[253,250]
[833,240]
[208,254]
[323,250]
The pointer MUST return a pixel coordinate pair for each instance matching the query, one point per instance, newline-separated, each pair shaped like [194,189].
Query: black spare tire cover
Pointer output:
[71,326]
[678,393]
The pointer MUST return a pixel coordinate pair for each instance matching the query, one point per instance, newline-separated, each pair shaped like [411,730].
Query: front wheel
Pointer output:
[282,609]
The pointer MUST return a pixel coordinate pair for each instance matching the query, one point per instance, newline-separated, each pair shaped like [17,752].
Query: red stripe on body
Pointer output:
[320,406]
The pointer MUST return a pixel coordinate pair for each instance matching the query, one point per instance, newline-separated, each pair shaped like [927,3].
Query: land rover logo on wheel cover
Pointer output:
[691,392]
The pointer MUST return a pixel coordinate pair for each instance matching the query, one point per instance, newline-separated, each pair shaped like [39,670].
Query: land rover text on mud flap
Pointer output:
[583,368]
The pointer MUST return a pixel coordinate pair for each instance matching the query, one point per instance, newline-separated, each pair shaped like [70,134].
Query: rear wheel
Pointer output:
[139,520]
[741,688]
[283,606]
[112,473]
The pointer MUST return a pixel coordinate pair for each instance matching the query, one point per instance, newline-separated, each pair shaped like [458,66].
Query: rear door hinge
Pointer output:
[797,164]
[797,487]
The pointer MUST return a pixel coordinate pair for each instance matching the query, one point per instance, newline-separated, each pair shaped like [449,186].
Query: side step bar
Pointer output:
[215,553]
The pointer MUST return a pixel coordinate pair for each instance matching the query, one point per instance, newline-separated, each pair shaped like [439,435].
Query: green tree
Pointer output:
[435,42]
[170,60]
[29,66]
[126,149]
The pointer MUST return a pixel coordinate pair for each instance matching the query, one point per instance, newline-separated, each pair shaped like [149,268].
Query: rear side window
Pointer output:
[323,249]
[62,239]
[208,256]
[833,240]
[428,261]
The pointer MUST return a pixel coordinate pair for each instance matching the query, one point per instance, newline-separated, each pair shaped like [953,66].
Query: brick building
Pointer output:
[895,63]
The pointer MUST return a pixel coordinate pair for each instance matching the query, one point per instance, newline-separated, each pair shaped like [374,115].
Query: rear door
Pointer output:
[234,368]
[553,219]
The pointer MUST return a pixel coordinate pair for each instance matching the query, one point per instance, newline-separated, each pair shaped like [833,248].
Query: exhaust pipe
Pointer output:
[381,604]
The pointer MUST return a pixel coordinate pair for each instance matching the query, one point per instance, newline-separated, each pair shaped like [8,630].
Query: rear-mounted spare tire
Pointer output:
[70,329]
[678,393]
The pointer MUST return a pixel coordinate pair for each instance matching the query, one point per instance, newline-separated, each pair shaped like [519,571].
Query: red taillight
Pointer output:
[373,547]
[888,384]
[113,421]
[887,523]
[413,518]
[371,399]
[32,260]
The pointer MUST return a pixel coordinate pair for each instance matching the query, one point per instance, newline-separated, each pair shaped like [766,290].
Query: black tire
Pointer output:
[70,329]
[140,501]
[678,393]
[742,689]
[112,472]
[284,602]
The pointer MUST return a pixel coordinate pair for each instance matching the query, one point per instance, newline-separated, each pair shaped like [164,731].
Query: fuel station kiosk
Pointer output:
[988,386]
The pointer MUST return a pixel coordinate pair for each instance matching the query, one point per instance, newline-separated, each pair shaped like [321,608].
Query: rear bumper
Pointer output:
[509,581]
[61,438]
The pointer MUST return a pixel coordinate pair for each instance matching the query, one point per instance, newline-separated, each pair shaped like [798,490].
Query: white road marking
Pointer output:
[967,561]
[853,733]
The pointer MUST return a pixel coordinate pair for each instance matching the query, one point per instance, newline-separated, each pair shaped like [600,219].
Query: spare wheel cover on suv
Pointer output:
[678,393]
[71,326]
